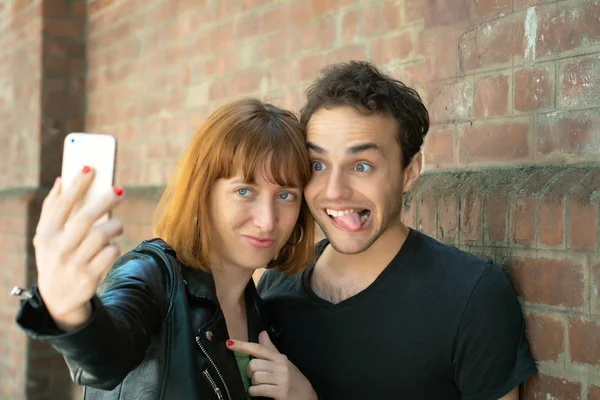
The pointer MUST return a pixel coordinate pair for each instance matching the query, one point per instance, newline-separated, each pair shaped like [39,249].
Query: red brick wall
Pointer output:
[20,66]
[540,223]
[42,97]
[512,156]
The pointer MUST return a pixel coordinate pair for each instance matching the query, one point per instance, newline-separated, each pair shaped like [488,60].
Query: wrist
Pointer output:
[73,320]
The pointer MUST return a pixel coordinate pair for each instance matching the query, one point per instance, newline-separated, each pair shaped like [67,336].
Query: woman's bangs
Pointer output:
[287,166]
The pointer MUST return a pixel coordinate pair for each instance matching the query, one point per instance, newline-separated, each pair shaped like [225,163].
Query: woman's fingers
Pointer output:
[256,364]
[79,225]
[264,390]
[102,262]
[263,377]
[70,196]
[255,350]
[97,238]
[47,207]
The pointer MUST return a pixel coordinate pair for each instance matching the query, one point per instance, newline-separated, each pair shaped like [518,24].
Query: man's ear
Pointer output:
[412,172]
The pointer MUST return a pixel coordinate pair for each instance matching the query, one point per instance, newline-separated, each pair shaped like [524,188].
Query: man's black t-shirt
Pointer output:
[437,323]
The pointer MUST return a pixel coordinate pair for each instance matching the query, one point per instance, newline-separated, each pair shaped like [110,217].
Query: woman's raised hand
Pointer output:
[73,254]
[271,373]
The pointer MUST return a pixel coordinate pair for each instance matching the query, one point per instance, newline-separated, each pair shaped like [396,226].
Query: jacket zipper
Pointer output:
[212,384]
[215,387]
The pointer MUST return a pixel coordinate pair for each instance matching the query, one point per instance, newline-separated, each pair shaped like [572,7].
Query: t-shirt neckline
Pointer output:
[320,247]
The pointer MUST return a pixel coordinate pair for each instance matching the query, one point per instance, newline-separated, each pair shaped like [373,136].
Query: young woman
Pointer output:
[172,318]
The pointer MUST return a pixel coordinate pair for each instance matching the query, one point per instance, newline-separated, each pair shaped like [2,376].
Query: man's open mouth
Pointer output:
[351,219]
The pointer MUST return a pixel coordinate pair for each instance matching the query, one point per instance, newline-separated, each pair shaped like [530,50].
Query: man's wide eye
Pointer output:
[317,166]
[363,167]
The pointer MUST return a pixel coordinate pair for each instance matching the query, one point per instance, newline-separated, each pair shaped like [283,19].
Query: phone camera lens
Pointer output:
[72,140]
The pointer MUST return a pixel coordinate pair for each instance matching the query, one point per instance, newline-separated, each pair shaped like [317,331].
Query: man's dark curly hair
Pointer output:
[361,85]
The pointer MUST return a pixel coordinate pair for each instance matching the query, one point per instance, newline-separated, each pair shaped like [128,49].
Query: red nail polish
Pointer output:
[86,169]
[118,190]
[229,343]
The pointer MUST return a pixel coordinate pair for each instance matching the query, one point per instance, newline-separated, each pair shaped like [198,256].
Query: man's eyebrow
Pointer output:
[363,147]
[350,150]
[315,148]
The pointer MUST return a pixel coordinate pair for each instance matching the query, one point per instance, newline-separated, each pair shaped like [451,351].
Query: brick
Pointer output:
[570,26]
[579,83]
[595,283]
[584,346]
[55,8]
[448,217]
[63,28]
[487,9]
[246,26]
[561,135]
[391,14]
[347,53]
[496,42]
[471,206]
[308,68]
[440,48]
[275,19]
[491,96]
[541,387]
[349,25]
[55,47]
[524,207]
[440,12]
[545,336]
[426,205]
[493,143]
[583,213]
[408,215]
[439,146]
[397,47]
[450,102]
[414,10]
[426,214]
[78,10]
[523,220]
[369,21]
[583,220]
[593,392]
[533,89]
[417,75]
[547,281]
[304,11]
[520,4]
[496,217]
[319,35]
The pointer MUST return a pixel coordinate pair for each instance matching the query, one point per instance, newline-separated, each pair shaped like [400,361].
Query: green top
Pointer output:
[242,361]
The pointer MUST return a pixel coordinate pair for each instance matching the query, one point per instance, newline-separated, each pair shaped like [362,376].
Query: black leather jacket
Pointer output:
[156,332]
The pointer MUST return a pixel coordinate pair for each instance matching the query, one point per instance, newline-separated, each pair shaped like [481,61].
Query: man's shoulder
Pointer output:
[273,283]
[447,266]
[444,255]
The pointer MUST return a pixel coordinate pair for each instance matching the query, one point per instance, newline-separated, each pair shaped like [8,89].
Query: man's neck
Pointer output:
[338,276]
[371,261]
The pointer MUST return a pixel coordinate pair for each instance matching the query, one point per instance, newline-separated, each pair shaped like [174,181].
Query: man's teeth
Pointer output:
[363,217]
[335,213]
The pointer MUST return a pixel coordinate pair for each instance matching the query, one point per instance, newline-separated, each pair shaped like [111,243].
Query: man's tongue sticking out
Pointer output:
[350,221]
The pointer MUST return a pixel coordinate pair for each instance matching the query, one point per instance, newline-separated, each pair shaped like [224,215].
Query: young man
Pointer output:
[387,312]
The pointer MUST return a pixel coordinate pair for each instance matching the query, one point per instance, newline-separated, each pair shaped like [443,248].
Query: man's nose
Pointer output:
[337,187]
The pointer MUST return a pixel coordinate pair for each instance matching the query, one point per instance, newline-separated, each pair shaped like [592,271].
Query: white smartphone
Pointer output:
[92,150]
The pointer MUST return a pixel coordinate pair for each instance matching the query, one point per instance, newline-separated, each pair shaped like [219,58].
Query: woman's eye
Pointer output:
[287,196]
[244,192]
[317,166]
[363,167]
